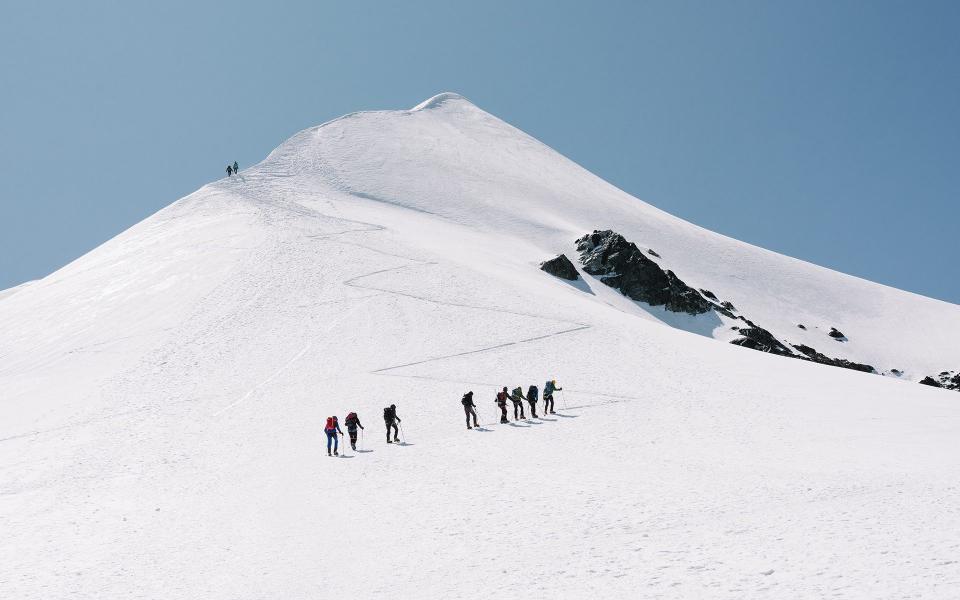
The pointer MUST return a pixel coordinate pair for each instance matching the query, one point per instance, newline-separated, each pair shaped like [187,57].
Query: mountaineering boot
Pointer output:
[328,453]
[335,453]
[396,439]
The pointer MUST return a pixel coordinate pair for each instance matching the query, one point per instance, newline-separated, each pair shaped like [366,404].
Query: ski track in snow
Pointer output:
[353,282]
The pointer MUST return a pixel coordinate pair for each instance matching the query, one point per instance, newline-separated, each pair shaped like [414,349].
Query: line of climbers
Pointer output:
[517,397]
[391,420]
[332,429]
[232,169]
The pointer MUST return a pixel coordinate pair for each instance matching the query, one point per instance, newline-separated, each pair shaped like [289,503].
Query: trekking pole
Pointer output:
[362,447]
[564,396]
[403,436]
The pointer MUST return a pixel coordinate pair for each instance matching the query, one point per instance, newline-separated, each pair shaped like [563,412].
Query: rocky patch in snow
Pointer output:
[948,380]
[837,335]
[758,338]
[561,267]
[823,359]
[621,265]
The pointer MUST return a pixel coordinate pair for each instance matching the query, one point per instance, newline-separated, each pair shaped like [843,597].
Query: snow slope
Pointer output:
[11,291]
[163,397]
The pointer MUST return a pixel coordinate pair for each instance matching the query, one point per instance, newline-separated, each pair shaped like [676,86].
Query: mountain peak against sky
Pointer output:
[442,99]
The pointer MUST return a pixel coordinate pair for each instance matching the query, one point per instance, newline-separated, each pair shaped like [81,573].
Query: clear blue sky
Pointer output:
[828,131]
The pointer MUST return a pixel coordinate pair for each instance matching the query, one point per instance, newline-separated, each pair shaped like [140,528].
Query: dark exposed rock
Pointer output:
[837,334]
[621,265]
[809,352]
[561,267]
[652,252]
[948,380]
[896,372]
[758,338]
[812,355]
[849,364]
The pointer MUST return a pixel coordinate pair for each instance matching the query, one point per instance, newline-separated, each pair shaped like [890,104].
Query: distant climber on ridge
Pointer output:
[332,429]
[236,167]
[391,419]
[470,409]
[229,170]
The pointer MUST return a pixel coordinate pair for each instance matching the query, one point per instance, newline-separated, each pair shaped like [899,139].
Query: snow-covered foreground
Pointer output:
[163,399]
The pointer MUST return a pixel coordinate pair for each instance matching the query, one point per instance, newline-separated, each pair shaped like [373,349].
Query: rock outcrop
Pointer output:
[837,334]
[948,380]
[621,265]
[817,357]
[758,338]
[561,267]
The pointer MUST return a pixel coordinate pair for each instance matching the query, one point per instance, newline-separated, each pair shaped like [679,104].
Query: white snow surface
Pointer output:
[163,396]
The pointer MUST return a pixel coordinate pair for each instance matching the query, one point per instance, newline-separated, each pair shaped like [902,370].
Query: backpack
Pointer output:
[351,419]
[389,413]
[330,426]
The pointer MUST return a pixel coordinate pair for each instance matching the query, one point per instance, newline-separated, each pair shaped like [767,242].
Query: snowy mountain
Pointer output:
[163,396]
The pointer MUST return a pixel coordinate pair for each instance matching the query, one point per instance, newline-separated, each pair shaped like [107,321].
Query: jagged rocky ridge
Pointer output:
[618,263]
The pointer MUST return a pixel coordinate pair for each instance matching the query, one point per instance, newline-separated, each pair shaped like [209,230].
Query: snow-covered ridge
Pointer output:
[11,291]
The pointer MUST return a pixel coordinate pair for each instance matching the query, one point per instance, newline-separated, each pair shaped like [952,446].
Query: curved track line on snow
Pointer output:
[367,227]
